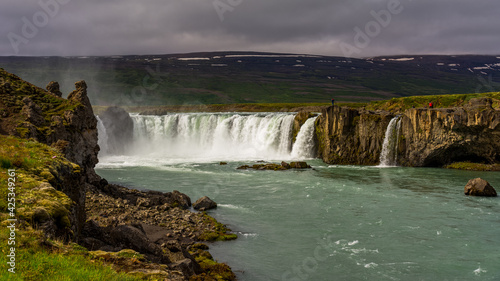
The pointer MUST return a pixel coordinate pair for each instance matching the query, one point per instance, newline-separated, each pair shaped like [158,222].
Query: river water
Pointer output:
[325,223]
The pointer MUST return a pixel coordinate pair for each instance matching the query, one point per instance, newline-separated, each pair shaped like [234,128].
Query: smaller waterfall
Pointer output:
[102,137]
[304,145]
[389,155]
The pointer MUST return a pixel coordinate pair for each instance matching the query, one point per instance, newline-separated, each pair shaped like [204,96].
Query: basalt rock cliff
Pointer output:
[427,136]
[351,136]
[69,125]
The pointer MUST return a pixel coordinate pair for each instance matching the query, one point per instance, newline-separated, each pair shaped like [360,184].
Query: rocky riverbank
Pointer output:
[157,225]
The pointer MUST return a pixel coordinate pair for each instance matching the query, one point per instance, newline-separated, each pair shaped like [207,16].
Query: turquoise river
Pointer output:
[325,223]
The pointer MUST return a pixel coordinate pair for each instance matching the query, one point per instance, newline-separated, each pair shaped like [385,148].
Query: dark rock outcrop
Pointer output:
[68,125]
[53,87]
[134,237]
[276,167]
[146,199]
[479,187]
[119,129]
[298,121]
[81,133]
[32,111]
[204,204]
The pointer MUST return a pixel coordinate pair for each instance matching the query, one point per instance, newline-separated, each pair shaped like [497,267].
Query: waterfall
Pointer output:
[304,145]
[208,137]
[202,137]
[389,155]
[102,137]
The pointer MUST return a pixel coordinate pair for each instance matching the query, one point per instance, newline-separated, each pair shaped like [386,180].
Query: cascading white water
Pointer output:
[304,144]
[218,136]
[389,155]
[102,137]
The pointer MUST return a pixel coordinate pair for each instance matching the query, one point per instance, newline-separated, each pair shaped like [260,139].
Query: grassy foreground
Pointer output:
[40,259]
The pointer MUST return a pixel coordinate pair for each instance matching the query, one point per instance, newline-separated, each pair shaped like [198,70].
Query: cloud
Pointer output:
[112,27]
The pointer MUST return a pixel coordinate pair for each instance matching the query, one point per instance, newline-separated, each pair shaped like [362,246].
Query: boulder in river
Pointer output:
[204,203]
[479,187]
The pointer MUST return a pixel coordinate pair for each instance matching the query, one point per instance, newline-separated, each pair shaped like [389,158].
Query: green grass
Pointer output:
[240,107]
[220,233]
[439,101]
[51,260]
[36,257]
[5,163]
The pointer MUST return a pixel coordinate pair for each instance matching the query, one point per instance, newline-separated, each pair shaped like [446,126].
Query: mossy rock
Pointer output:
[40,215]
[128,253]
[213,269]
[198,246]
[47,175]
[76,168]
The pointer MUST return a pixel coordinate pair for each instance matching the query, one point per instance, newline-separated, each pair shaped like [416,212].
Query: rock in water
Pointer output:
[300,165]
[285,164]
[479,187]
[204,203]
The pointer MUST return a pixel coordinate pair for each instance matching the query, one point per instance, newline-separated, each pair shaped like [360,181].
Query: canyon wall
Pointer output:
[426,136]
[351,136]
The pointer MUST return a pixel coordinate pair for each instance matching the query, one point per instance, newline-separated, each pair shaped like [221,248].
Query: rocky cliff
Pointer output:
[351,136]
[425,137]
[67,125]
[436,137]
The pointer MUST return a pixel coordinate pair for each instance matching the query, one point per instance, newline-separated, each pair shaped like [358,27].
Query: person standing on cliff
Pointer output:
[333,101]
[431,105]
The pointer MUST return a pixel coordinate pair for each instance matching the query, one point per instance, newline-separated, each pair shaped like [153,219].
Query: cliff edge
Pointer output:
[424,137]
[67,125]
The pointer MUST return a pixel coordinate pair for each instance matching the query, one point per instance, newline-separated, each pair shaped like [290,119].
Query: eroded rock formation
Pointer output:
[436,137]
[427,137]
[351,136]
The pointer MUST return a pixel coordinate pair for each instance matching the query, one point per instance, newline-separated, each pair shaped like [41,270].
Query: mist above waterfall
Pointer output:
[207,137]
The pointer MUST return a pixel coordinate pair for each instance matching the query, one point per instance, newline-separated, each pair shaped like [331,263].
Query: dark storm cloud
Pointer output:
[72,27]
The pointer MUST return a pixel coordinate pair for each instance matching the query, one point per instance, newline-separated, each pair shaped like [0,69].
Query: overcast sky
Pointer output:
[360,28]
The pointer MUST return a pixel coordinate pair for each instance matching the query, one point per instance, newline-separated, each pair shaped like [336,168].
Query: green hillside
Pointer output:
[237,77]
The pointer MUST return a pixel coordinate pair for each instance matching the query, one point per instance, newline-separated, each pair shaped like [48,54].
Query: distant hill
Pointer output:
[254,77]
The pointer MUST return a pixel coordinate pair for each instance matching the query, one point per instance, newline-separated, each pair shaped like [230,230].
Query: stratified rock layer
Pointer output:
[428,137]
